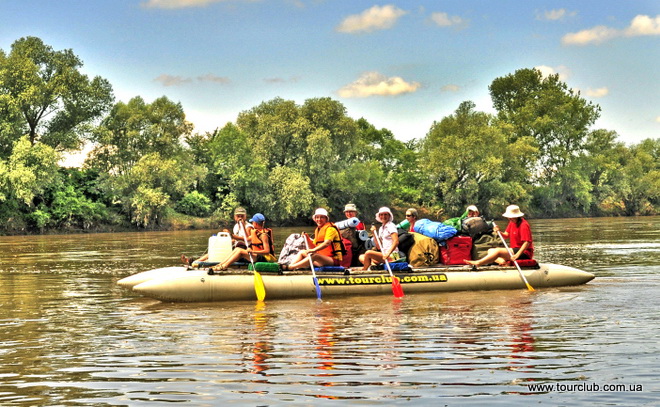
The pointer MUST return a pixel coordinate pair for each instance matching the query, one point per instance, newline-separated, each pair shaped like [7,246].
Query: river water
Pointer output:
[69,336]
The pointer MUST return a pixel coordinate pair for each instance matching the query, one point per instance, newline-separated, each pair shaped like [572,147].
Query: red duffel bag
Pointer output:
[458,249]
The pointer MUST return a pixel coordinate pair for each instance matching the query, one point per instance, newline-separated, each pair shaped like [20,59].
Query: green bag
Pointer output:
[456,222]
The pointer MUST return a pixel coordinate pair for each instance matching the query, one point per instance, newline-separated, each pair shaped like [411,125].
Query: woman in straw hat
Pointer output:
[520,235]
[388,236]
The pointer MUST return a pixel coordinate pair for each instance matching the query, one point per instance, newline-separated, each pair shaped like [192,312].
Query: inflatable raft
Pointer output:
[181,284]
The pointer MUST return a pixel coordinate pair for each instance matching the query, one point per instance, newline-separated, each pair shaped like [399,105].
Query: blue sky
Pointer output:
[401,64]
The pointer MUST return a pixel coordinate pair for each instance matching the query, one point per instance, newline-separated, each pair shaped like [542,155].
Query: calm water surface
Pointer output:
[69,336]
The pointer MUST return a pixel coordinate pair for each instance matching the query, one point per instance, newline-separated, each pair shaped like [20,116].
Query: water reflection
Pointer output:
[70,336]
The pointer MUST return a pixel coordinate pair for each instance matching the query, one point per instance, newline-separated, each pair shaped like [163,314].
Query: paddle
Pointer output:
[259,288]
[311,264]
[397,290]
[529,287]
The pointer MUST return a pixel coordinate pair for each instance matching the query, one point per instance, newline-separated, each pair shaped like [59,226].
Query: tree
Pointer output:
[556,117]
[641,191]
[134,129]
[28,172]
[469,161]
[47,96]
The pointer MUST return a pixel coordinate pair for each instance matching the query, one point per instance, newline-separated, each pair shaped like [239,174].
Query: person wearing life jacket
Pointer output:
[520,235]
[326,248]
[240,214]
[352,234]
[260,242]
[388,236]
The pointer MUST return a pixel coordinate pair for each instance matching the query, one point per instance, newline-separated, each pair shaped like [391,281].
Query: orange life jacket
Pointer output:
[336,248]
[257,244]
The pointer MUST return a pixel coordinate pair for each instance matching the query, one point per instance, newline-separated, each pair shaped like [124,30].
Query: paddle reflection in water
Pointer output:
[70,336]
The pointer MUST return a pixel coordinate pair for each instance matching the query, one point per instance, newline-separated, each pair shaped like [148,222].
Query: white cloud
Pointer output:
[563,71]
[377,84]
[293,79]
[213,78]
[445,20]
[450,88]
[375,18]
[641,25]
[171,80]
[172,4]
[555,15]
[597,93]
[175,80]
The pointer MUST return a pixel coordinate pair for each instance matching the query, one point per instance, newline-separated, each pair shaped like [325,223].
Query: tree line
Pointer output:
[148,168]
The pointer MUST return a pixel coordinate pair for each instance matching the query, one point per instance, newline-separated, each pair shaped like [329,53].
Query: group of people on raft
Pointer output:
[325,249]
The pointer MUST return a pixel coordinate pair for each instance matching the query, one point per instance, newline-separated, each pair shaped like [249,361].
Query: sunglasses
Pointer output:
[409,216]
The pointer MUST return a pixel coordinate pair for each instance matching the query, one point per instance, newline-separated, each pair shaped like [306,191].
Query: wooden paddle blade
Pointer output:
[259,288]
[397,290]
[318,288]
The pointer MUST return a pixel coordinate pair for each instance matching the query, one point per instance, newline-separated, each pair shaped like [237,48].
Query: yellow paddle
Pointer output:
[259,288]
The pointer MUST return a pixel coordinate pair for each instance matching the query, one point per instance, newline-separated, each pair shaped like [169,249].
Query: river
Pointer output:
[70,336]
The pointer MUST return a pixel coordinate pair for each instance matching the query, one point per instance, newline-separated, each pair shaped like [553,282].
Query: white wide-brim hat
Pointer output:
[513,211]
[384,209]
[322,212]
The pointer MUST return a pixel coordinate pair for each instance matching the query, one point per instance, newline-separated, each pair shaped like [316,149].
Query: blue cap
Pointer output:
[257,217]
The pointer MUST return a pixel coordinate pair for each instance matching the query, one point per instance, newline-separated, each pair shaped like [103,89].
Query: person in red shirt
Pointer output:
[520,235]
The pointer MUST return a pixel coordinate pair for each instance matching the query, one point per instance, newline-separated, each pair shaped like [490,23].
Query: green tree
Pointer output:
[468,160]
[556,117]
[641,191]
[47,97]
[602,162]
[134,129]
[150,186]
[28,172]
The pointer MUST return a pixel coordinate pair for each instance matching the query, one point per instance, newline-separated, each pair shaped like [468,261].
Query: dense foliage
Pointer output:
[283,159]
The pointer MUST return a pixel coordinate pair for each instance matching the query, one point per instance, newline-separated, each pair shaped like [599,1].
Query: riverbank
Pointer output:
[178,221]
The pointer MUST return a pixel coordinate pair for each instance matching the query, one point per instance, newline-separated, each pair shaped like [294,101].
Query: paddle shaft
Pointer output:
[529,287]
[247,245]
[311,265]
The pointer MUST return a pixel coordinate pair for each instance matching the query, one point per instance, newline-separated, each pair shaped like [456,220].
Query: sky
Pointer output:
[399,64]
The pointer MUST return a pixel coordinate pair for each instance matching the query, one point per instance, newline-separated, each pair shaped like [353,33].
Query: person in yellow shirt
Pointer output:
[326,248]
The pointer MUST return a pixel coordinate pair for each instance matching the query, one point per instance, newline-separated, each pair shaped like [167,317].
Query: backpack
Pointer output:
[437,230]
[475,226]
[424,252]
[406,242]
[481,244]
[293,244]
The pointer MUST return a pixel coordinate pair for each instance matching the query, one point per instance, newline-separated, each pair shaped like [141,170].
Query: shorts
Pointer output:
[524,255]
[265,258]
[394,256]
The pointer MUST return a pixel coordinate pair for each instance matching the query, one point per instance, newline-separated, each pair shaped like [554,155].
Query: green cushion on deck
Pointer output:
[265,266]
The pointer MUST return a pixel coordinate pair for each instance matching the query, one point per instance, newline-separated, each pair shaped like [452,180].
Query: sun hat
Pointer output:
[257,217]
[322,212]
[472,208]
[513,211]
[384,209]
[240,211]
[350,208]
